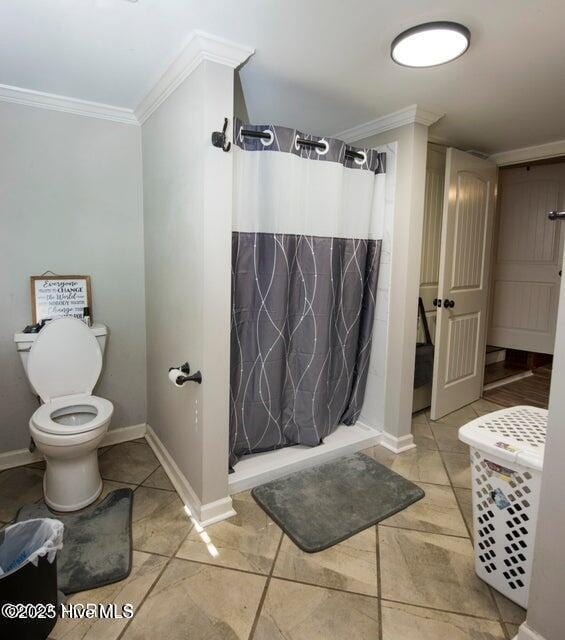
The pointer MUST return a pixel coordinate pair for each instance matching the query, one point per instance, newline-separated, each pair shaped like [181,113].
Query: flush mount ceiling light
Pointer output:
[430,44]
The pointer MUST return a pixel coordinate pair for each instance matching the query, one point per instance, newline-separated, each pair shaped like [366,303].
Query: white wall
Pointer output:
[187,210]
[70,201]
[405,250]
[547,587]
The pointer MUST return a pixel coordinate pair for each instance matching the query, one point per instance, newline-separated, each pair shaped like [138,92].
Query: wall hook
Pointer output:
[219,138]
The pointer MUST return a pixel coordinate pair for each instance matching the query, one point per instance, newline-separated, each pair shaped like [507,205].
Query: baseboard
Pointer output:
[397,445]
[525,633]
[123,434]
[204,514]
[509,380]
[21,457]
[18,458]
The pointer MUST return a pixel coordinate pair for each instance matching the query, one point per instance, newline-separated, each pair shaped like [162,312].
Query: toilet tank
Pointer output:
[24,342]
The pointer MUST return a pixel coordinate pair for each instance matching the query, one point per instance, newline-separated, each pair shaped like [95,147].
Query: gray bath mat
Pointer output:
[323,505]
[96,544]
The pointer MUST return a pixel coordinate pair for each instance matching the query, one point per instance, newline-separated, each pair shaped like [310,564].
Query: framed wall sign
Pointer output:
[58,296]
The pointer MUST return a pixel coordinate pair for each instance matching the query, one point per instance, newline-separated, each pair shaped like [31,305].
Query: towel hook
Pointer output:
[219,138]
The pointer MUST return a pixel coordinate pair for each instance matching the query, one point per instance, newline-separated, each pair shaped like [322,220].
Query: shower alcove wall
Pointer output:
[188,208]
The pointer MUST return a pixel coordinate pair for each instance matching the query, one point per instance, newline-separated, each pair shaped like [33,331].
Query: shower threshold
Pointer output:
[258,468]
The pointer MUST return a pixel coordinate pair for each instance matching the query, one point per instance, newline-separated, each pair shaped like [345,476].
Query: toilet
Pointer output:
[63,364]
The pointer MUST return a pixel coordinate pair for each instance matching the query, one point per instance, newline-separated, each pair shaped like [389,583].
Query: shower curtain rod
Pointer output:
[248,133]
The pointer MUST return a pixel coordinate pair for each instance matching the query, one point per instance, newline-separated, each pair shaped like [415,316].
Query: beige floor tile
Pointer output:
[512,630]
[465,499]
[247,541]
[458,418]
[159,521]
[458,467]
[145,571]
[159,480]
[482,406]
[420,417]
[431,570]
[128,462]
[200,602]
[447,438]
[404,622]
[18,487]
[509,611]
[418,465]
[423,436]
[437,512]
[294,611]
[350,565]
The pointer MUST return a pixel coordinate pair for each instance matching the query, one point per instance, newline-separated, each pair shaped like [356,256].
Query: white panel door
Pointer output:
[463,289]
[528,259]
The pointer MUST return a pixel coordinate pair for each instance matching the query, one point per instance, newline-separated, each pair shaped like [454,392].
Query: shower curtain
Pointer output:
[306,242]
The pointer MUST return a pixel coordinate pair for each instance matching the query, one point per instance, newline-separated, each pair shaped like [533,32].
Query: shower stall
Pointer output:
[308,222]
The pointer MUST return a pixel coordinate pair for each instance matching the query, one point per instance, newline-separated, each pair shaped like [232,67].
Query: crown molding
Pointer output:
[199,47]
[39,99]
[529,154]
[414,114]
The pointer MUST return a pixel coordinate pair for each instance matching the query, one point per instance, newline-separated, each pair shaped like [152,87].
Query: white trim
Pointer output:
[39,99]
[204,514]
[508,380]
[20,457]
[525,633]
[200,46]
[397,445]
[409,115]
[257,468]
[529,154]
[123,434]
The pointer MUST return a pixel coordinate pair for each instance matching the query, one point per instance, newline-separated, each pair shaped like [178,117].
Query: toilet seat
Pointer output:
[65,360]
[43,420]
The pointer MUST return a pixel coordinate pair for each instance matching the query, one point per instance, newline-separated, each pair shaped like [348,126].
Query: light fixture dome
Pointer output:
[430,44]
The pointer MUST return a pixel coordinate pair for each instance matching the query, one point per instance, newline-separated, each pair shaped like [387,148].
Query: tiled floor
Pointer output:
[410,578]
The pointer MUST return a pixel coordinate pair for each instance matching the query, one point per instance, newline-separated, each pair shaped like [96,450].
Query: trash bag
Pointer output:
[28,578]
[424,363]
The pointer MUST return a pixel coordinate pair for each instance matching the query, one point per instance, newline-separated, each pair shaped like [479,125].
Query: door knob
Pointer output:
[436,302]
[448,304]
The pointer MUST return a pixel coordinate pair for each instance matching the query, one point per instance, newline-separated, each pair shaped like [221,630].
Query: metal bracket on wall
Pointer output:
[219,138]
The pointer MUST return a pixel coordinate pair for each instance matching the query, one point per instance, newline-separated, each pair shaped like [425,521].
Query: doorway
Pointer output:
[527,262]
[489,280]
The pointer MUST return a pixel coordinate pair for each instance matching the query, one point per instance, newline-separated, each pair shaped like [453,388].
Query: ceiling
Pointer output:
[320,65]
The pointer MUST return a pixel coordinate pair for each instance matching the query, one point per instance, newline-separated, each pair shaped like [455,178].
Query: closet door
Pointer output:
[528,259]
[466,241]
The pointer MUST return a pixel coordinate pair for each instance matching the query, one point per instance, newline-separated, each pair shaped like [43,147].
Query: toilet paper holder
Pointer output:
[184,375]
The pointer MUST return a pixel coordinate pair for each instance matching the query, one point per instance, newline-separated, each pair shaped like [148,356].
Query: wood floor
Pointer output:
[499,370]
[533,391]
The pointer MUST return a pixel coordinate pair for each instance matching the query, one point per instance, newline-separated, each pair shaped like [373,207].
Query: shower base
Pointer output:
[258,468]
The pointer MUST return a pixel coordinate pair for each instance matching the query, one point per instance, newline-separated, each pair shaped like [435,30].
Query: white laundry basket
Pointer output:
[507,448]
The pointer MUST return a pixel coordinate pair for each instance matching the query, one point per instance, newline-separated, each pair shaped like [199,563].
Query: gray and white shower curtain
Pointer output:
[306,241]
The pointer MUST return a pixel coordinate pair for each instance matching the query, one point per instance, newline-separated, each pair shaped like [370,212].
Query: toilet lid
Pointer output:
[65,360]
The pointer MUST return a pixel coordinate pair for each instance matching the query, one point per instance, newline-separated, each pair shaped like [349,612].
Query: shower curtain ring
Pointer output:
[219,138]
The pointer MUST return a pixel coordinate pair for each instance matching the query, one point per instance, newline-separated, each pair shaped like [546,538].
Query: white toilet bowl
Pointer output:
[63,366]
[68,433]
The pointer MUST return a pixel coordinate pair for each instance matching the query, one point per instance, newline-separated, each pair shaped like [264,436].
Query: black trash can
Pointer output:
[28,578]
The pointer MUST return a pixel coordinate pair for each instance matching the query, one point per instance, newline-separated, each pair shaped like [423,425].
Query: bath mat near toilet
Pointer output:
[97,545]
[324,505]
